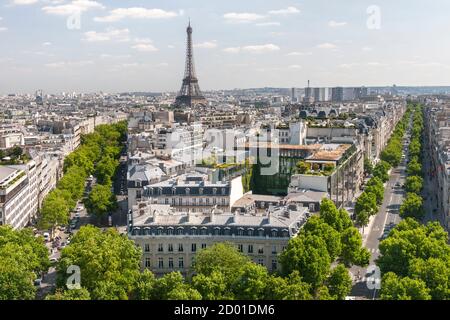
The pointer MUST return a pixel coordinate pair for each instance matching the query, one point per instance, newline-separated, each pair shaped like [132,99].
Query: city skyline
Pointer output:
[140,46]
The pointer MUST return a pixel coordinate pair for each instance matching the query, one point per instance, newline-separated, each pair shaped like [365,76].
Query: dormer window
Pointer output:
[188,191]
[200,191]
[214,191]
[223,191]
[174,190]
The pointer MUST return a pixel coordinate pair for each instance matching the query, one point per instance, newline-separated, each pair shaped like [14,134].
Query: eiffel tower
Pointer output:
[190,94]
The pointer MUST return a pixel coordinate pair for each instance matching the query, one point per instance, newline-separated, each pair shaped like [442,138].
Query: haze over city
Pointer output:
[119,46]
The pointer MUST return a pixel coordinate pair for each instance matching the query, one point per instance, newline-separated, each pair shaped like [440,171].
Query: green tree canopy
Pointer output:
[101,200]
[22,258]
[339,282]
[395,288]
[414,184]
[109,263]
[412,207]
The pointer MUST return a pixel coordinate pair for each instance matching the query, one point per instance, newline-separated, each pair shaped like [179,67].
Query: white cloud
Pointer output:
[297,53]
[3,29]
[336,24]
[261,48]
[253,49]
[46,44]
[145,47]
[367,49]
[137,13]
[242,17]
[69,64]
[170,46]
[232,50]
[295,66]
[206,45]
[24,2]
[327,45]
[72,7]
[111,34]
[268,24]
[287,11]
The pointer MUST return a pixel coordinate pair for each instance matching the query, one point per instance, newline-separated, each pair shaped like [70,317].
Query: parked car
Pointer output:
[38,282]
[46,236]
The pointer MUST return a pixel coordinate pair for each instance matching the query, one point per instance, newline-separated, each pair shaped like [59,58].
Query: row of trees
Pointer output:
[414,258]
[97,155]
[369,201]
[23,257]
[109,266]
[415,262]
[392,153]
[413,204]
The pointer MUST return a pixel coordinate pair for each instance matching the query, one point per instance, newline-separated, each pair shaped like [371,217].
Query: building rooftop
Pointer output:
[151,215]
[5,173]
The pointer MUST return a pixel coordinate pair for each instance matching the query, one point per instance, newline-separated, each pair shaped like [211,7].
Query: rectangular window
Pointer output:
[160,247]
[147,263]
[147,247]
[250,248]
[274,265]
[180,247]
[170,248]
[261,262]
[181,263]
[261,250]
[194,247]
[170,263]
[160,263]
[240,248]
[274,249]
[203,245]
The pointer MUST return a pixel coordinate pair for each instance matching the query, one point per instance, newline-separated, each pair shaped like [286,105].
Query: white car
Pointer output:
[47,236]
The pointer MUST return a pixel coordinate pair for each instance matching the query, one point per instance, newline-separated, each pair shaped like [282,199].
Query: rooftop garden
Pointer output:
[13,156]
[315,169]
[10,183]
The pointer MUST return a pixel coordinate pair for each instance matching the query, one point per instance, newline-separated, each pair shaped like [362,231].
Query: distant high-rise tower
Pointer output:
[190,93]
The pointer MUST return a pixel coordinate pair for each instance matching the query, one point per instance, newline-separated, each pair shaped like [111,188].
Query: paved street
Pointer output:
[378,228]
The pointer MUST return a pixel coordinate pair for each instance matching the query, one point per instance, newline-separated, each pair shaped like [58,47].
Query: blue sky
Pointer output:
[140,45]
